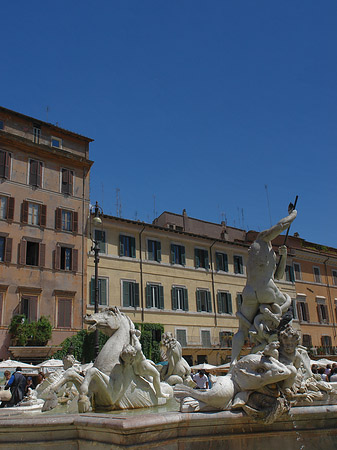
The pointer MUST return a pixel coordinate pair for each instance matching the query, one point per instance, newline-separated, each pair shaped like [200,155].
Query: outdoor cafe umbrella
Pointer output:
[11,364]
[203,366]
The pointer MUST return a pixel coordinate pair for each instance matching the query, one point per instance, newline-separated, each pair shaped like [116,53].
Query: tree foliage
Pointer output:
[81,345]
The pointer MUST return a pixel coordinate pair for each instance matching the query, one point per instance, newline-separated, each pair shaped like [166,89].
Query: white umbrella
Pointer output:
[51,365]
[203,366]
[323,362]
[11,364]
[223,366]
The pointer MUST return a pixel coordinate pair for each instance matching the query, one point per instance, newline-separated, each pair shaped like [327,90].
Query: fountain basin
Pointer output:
[309,428]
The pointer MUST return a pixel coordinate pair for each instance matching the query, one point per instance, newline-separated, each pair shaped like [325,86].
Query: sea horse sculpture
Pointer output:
[121,376]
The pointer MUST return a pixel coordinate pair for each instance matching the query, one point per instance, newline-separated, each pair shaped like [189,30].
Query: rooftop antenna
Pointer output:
[118,203]
[47,111]
[266,188]
[154,207]
[243,219]
[102,199]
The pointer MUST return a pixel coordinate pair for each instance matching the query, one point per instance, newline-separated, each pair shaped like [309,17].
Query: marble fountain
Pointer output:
[124,401]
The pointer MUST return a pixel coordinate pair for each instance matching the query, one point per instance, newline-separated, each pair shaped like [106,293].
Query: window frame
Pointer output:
[201,258]
[241,265]
[334,277]
[181,254]
[92,291]
[134,301]
[299,271]
[154,293]
[6,169]
[39,173]
[317,277]
[221,257]
[131,246]
[57,139]
[67,188]
[6,248]
[185,330]
[34,299]
[227,304]
[155,251]
[206,330]
[174,298]
[207,300]
[36,134]
[103,250]
[8,208]
[68,300]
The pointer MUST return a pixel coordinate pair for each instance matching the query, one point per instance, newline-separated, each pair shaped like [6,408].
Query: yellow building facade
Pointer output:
[190,281]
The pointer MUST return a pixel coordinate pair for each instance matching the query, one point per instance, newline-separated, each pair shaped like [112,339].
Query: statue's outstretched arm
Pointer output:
[276,230]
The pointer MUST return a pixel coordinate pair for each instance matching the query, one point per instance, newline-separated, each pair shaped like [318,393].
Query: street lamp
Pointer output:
[97,221]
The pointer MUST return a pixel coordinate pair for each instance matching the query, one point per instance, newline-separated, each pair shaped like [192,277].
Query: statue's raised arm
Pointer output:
[276,230]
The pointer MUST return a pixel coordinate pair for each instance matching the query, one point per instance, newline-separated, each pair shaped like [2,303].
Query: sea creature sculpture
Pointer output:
[251,373]
[177,370]
[121,376]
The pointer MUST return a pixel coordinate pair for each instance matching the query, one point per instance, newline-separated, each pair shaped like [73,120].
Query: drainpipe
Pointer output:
[84,250]
[329,297]
[141,273]
[213,288]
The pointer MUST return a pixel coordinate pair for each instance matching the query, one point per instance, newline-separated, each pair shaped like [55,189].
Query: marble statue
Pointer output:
[121,377]
[177,370]
[277,373]
[262,301]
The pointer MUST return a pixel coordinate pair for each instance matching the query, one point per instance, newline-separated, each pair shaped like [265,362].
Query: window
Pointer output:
[127,246]
[102,291]
[181,337]
[204,302]
[1,306]
[5,164]
[33,213]
[1,125]
[221,261]
[178,254]
[56,142]
[179,298]
[35,173]
[66,220]
[306,341]
[224,303]
[100,239]
[297,270]
[317,275]
[154,250]
[67,181]
[32,253]
[201,258]
[289,274]
[334,277]
[36,134]
[302,311]
[29,307]
[7,208]
[65,258]
[64,312]
[238,264]
[154,296]
[130,293]
[225,339]
[322,312]
[326,344]
[206,338]
[5,249]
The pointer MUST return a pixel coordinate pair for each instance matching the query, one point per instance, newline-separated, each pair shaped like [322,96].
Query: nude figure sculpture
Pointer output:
[260,288]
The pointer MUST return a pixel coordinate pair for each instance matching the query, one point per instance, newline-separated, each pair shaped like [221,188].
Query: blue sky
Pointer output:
[191,104]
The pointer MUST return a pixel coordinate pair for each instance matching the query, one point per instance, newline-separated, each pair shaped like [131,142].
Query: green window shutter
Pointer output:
[148,296]
[220,306]
[173,258]
[183,258]
[209,301]
[229,303]
[161,297]
[158,251]
[218,261]
[206,260]
[133,247]
[196,258]
[126,293]
[291,273]
[225,259]
[198,300]
[121,245]
[136,288]
[150,250]
[174,298]
[102,292]
[92,292]
[185,293]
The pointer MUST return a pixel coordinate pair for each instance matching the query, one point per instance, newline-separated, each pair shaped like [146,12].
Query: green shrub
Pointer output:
[34,333]
[81,345]
[150,340]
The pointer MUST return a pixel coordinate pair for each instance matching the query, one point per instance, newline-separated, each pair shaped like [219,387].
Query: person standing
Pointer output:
[201,380]
[16,384]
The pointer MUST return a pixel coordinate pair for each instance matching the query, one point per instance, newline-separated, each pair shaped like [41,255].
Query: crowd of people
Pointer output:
[19,386]
[328,373]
